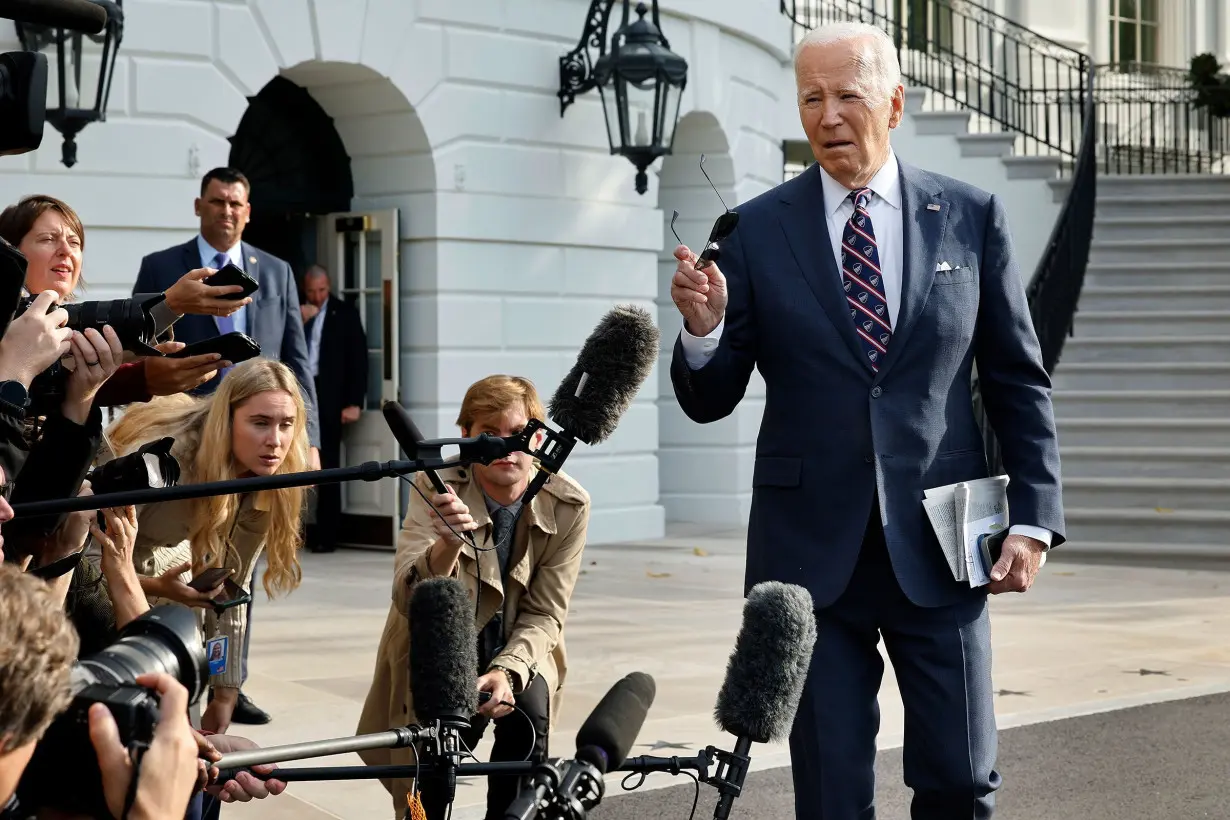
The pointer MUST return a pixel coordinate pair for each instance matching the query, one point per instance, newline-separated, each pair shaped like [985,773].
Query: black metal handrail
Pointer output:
[973,59]
[1055,288]
[1149,124]
[1054,291]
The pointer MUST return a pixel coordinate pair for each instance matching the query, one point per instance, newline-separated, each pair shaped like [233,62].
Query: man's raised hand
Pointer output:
[700,295]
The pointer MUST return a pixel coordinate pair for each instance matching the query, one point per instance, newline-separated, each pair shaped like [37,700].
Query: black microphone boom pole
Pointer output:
[479,450]
[370,471]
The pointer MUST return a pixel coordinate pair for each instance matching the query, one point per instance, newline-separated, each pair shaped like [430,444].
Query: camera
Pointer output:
[63,774]
[150,467]
[23,101]
[131,320]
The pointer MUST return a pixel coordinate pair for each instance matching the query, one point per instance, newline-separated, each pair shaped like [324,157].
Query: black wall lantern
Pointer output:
[69,115]
[640,81]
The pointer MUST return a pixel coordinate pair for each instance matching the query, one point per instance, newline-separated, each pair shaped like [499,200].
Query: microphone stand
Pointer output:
[725,771]
[444,760]
[550,451]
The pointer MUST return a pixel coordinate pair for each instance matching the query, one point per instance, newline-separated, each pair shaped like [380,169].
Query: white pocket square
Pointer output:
[942,266]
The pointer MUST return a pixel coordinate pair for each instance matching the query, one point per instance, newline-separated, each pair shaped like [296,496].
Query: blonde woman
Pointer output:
[254,424]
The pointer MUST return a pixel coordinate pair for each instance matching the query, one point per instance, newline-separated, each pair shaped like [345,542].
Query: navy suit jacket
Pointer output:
[273,316]
[836,434]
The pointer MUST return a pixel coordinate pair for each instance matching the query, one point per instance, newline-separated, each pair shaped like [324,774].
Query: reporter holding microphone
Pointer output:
[520,577]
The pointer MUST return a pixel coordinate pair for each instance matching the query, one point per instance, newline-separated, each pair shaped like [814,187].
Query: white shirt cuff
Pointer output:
[698,350]
[1037,533]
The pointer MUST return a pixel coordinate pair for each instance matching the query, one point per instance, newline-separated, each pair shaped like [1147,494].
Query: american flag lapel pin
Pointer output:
[933,207]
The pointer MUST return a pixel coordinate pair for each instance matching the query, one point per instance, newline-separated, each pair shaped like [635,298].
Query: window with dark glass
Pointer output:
[1133,34]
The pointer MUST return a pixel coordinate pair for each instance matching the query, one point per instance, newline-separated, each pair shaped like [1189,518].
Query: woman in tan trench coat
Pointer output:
[533,594]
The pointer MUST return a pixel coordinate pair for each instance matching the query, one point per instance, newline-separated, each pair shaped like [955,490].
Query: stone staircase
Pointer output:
[1142,391]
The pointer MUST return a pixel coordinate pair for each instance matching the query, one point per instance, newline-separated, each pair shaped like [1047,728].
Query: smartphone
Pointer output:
[232,274]
[235,347]
[232,595]
[210,578]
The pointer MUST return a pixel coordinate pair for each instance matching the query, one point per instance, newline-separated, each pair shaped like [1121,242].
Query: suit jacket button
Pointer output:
[876,391]
[869,459]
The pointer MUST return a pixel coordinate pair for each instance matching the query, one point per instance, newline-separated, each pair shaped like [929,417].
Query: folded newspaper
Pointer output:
[963,515]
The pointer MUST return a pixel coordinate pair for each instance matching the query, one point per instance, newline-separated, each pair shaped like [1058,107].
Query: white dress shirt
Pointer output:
[313,340]
[235,254]
[886,223]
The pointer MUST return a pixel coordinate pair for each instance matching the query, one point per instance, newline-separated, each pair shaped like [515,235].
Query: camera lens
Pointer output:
[165,639]
[129,317]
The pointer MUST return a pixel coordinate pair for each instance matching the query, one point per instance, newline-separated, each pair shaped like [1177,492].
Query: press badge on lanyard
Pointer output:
[216,649]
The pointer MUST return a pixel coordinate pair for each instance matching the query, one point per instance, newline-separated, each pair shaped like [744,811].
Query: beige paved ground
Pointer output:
[1087,638]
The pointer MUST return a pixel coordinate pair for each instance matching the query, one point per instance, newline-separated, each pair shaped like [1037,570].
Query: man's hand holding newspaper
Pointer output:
[970,520]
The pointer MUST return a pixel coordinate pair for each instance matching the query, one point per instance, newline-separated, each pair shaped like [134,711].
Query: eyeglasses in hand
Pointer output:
[722,228]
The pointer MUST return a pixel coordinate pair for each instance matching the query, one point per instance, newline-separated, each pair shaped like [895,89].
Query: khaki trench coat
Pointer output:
[542,570]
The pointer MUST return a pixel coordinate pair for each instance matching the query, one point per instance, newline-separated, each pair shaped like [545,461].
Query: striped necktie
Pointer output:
[863,282]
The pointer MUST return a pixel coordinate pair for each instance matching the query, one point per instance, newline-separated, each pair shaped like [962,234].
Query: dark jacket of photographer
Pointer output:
[46,460]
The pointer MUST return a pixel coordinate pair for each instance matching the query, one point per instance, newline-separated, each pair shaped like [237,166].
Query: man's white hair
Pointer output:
[879,69]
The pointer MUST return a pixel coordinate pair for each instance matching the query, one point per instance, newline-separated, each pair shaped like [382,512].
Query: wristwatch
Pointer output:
[15,396]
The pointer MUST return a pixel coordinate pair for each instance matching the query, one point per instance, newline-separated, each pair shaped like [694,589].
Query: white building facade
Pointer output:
[515,229]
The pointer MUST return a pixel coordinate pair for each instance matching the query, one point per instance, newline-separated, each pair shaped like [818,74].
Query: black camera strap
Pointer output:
[59,567]
[136,753]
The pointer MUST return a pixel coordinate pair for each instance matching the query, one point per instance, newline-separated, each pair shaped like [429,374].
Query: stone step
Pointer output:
[1141,376]
[1196,205]
[942,122]
[1163,254]
[1131,349]
[1147,526]
[1158,187]
[1159,494]
[1159,431]
[1213,271]
[1150,324]
[1143,462]
[1135,404]
[1155,297]
[1076,551]
[1159,227]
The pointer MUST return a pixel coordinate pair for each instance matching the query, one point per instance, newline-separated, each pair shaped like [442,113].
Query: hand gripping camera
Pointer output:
[63,773]
[132,319]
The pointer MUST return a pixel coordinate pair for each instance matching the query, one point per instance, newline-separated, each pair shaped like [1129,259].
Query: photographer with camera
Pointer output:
[38,646]
[254,424]
[51,236]
[31,344]
[37,650]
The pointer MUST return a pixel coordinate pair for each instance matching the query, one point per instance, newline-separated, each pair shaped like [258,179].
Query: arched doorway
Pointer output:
[291,152]
[322,195]
[702,478]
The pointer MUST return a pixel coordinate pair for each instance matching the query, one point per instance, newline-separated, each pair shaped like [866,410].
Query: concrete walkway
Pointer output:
[1088,638]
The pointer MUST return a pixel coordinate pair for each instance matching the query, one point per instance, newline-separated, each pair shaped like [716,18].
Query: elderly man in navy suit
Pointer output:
[272,318]
[864,290]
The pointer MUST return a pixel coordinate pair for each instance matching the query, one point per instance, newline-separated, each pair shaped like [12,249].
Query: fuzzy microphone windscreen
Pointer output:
[765,676]
[610,369]
[443,650]
[607,735]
